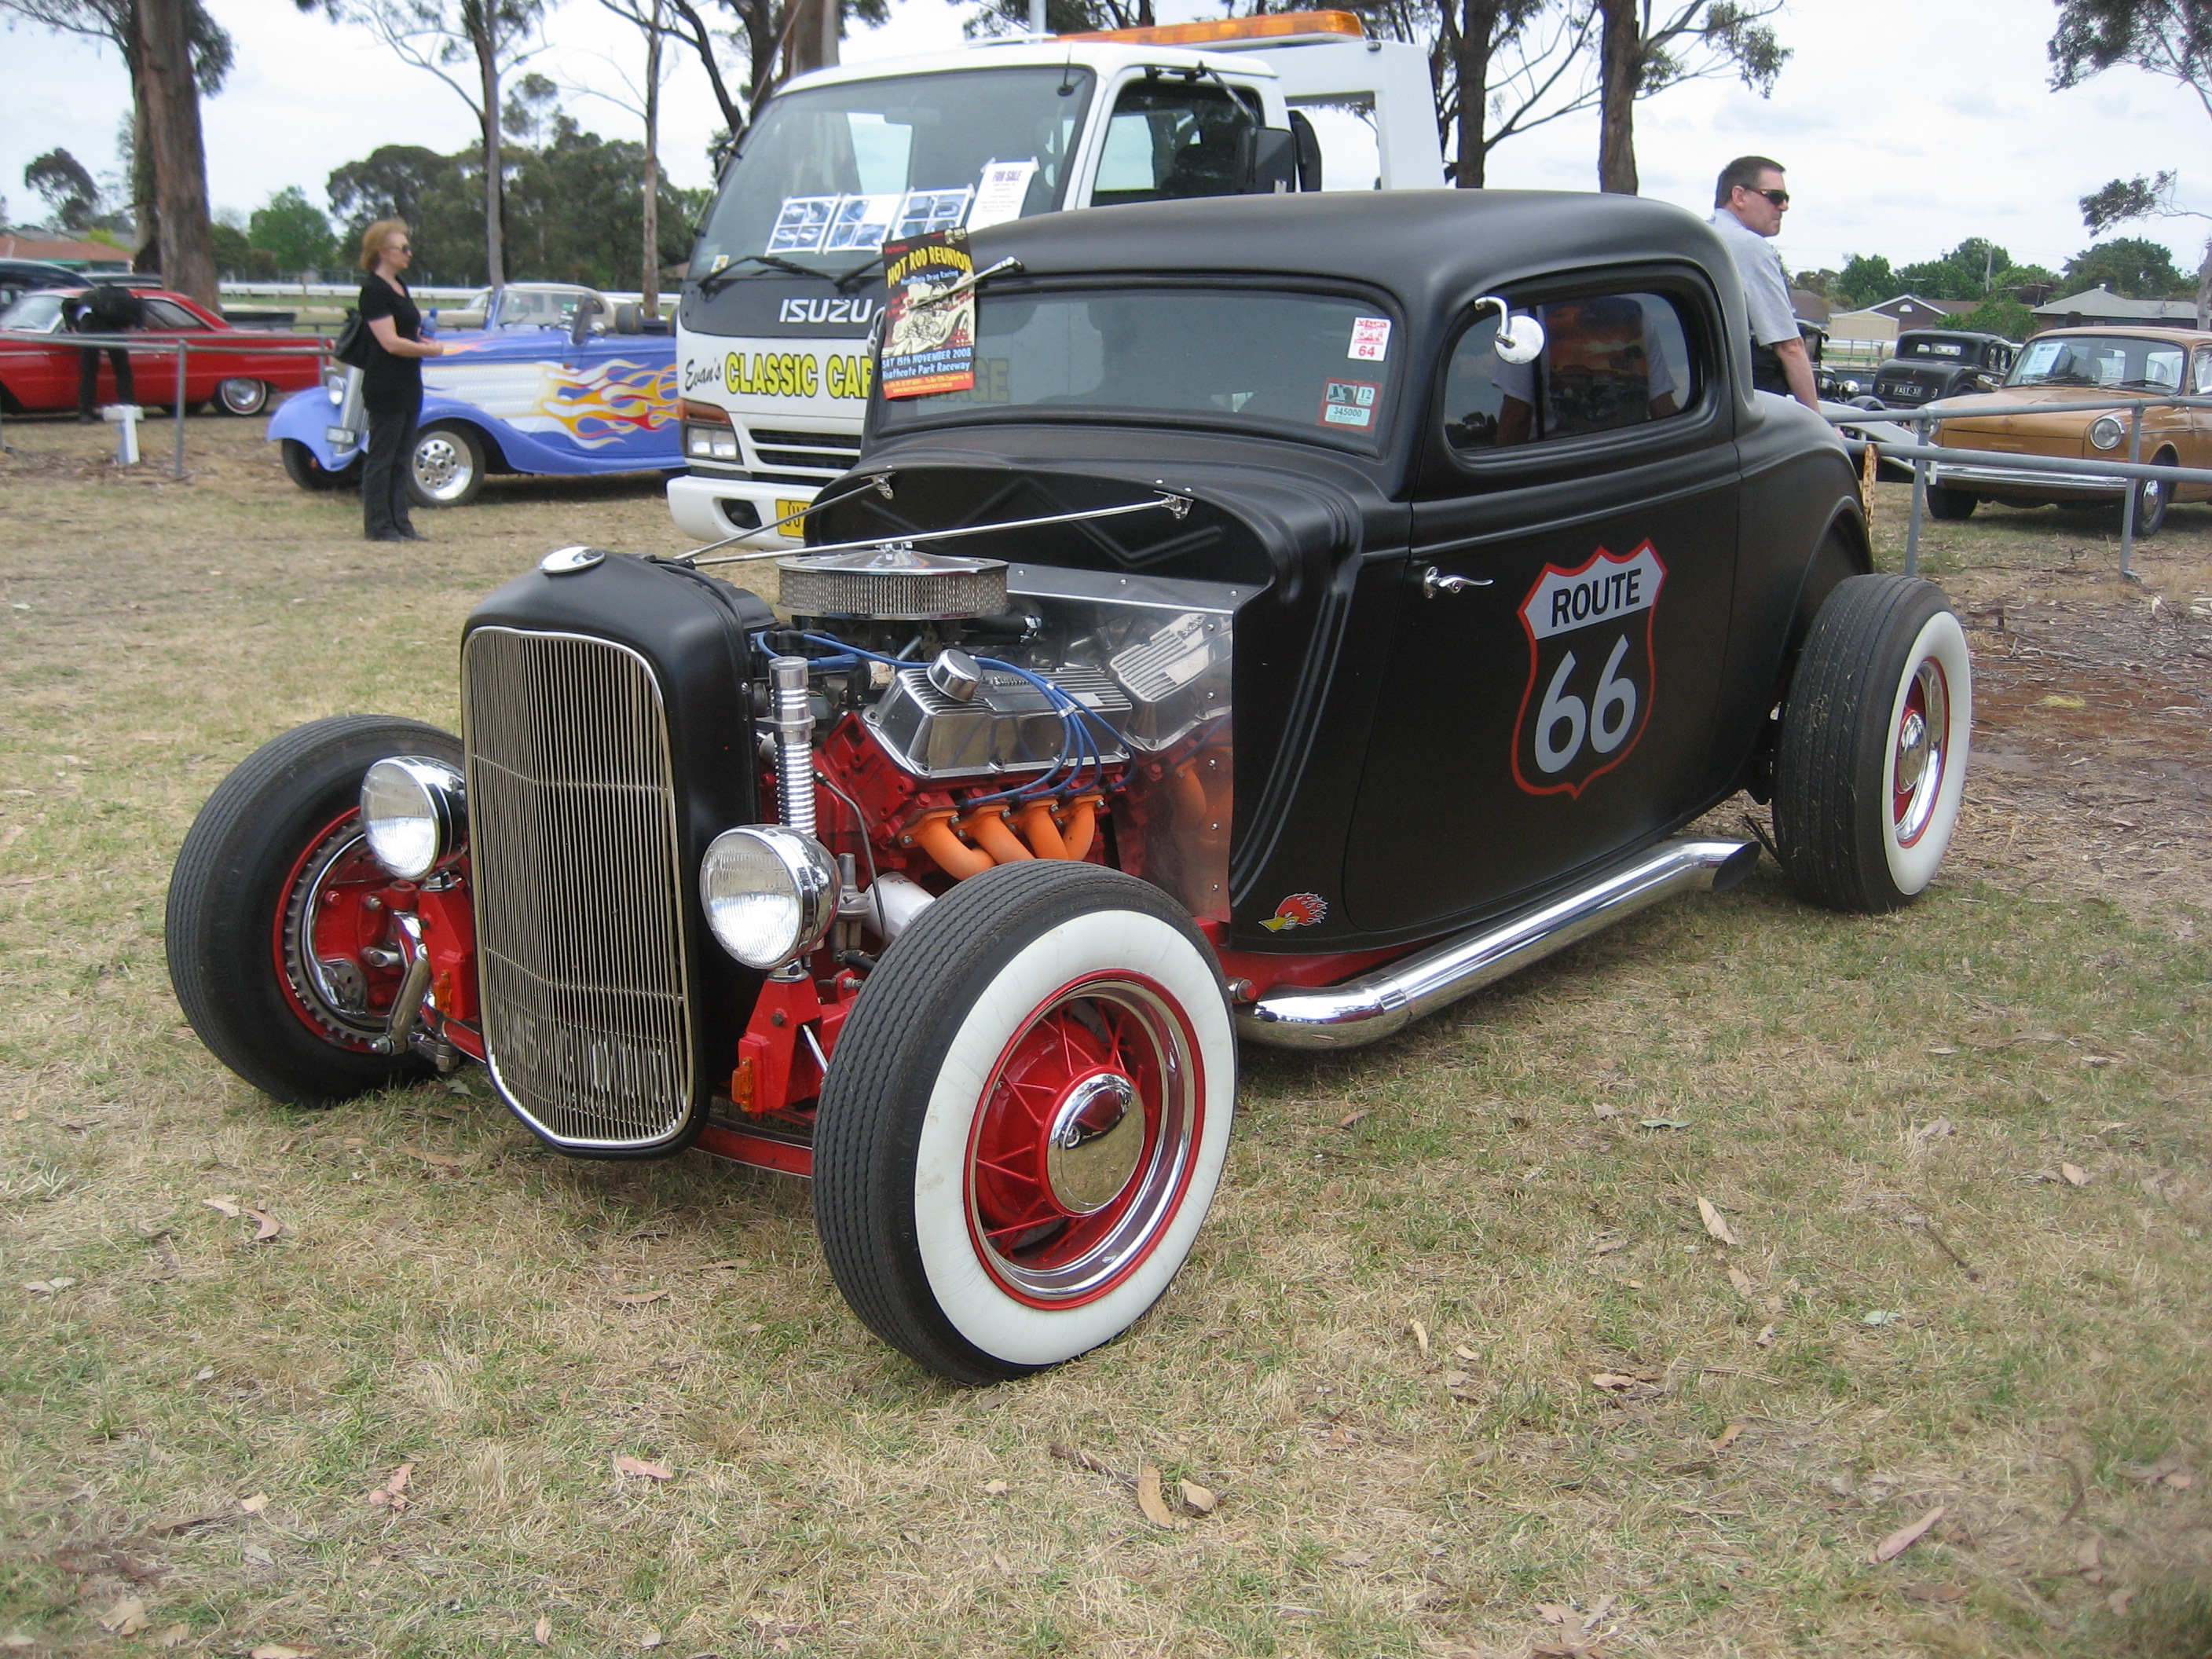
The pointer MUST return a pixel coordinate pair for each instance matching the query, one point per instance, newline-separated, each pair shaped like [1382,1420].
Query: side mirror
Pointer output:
[587,309]
[1520,341]
[1271,166]
[1308,142]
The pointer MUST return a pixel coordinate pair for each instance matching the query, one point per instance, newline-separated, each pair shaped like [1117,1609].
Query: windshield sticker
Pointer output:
[1371,338]
[1349,403]
[929,338]
[800,224]
[1591,674]
[860,223]
[721,262]
[999,197]
[926,212]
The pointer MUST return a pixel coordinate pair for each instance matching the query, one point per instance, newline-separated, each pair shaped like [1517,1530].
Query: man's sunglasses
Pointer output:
[1779,198]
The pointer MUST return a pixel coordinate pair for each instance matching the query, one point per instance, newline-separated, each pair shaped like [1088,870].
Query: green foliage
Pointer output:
[2001,313]
[1867,280]
[1968,271]
[2172,38]
[293,229]
[71,195]
[2133,265]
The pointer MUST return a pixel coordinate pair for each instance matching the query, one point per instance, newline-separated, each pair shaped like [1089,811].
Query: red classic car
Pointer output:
[36,375]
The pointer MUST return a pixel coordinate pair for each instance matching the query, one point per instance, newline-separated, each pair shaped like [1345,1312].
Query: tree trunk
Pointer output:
[2204,288]
[172,105]
[1620,60]
[1478,31]
[814,35]
[648,280]
[484,35]
[145,197]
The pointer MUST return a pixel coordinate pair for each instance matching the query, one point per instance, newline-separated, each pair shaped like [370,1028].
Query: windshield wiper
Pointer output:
[729,273]
[2142,384]
[858,271]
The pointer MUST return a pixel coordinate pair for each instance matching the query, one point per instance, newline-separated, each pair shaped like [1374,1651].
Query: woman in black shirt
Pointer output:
[391,385]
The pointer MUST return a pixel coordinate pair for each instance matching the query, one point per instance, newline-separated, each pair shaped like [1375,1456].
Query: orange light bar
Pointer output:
[1270,27]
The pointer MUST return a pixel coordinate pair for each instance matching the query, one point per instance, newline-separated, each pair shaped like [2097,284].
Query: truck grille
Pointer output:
[832,452]
[579,887]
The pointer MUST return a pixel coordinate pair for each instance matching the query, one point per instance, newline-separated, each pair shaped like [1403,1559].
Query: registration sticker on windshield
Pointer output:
[1371,338]
[1350,403]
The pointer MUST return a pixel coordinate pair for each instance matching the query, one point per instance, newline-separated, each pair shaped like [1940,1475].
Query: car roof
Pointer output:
[1949,334]
[1425,246]
[2147,330]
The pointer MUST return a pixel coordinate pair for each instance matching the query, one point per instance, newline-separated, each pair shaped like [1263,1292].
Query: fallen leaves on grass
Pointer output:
[1198,1499]
[1716,1223]
[279,1651]
[256,1556]
[126,1618]
[1083,1460]
[1599,1108]
[1351,1118]
[1935,1131]
[735,1264]
[47,1286]
[2074,1174]
[996,1489]
[541,1632]
[1149,1500]
[1420,1336]
[1727,1436]
[226,1203]
[442,1160]
[1933,1592]
[1905,1537]
[393,1494]
[266,1226]
[625,1464]
[172,1635]
[1662,1123]
[183,1524]
[1578,1634]
[254,1505]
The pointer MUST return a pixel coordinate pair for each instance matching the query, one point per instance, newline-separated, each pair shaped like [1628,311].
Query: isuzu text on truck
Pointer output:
[787,279]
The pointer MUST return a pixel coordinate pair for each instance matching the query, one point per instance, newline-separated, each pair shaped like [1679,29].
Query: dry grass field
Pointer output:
[1469,1365]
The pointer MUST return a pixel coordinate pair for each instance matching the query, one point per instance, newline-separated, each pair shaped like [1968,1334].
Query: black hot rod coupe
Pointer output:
[1315,608]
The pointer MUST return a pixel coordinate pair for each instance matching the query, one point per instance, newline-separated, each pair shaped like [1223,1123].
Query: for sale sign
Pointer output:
[1591,677]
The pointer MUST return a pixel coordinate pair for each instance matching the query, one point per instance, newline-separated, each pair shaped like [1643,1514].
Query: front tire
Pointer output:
[447,468]
[1872,762]
[1951,505]
[1024,1120]
[2153,496]
[302,467]
[279,918]
[242,397]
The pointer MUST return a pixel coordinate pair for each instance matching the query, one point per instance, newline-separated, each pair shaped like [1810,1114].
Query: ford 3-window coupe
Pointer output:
[550,378]
[1314,609]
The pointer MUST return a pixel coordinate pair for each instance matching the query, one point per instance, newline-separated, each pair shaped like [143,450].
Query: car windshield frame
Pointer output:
[12,320]
[1386,379]
[740,231]
[2041,355]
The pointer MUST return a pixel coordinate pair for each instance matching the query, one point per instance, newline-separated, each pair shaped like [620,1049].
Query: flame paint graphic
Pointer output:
[615,400]
[1299,910]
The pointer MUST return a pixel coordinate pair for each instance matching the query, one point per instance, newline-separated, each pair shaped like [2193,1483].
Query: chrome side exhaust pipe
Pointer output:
[1375,1005]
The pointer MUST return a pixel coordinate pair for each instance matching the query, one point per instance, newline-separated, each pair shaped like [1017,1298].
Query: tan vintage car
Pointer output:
[2080,365]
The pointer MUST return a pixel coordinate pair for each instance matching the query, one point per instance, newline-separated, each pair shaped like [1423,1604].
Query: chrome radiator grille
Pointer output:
[579,887]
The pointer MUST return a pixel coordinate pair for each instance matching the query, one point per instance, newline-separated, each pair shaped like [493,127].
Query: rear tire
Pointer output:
[273,903]
[1875,733]
[242,397]
[1951,505]
[447,468]
[1024,1120]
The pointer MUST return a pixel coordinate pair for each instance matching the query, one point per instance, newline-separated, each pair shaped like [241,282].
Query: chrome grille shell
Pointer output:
[581,899]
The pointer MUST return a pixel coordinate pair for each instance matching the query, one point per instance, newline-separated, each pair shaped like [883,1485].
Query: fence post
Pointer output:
[1912,535]
[2128,502]
[184,351]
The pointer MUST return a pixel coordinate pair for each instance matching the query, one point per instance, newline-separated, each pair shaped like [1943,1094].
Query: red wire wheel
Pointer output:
[1024,1119]
[334,944]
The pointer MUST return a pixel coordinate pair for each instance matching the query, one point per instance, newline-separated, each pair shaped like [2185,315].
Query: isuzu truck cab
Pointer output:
[787,279]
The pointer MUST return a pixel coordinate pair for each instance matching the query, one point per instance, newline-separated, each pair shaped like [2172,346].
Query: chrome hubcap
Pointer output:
[1095,1143]
[441,467]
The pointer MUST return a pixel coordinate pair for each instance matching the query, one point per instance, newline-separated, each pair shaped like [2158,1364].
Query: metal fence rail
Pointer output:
[1920,454]
[139,345]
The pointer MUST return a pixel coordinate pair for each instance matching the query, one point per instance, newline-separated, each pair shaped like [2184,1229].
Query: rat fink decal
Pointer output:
[1591,678]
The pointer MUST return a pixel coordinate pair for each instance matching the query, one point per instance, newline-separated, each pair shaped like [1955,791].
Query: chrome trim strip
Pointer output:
[2021,478]
[1375,1005]
[583,910]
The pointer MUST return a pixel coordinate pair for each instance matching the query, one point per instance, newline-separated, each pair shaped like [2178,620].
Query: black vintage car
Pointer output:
[1273,643]
[1933,363]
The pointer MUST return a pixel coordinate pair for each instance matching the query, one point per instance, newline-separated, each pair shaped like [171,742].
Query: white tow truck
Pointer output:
[786,278]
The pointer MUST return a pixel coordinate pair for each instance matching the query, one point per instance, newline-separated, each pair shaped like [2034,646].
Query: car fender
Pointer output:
[497,437]
[306,417]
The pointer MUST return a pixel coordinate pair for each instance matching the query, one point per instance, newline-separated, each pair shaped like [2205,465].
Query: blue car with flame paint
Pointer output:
[554,378]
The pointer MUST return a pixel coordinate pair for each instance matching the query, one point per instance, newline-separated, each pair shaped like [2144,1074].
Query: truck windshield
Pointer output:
[2117,360]
[1312,365]
[831,173]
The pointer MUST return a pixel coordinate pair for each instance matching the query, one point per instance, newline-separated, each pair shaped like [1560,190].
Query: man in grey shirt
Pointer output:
[1748,204]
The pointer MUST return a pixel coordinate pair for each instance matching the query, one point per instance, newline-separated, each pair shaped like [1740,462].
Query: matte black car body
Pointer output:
[1372,719]
[1933,362]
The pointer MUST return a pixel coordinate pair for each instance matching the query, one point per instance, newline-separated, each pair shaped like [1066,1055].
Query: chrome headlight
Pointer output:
[2106,431]
[415,812]
[770,893]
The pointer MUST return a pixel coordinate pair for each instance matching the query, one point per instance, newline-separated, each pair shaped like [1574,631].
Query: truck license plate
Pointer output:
[791,510]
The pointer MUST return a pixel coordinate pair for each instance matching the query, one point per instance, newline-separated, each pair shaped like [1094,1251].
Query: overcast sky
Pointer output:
[1907,125]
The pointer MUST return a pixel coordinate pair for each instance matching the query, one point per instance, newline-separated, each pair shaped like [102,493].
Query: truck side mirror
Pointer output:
[1308,143]
[1271,164]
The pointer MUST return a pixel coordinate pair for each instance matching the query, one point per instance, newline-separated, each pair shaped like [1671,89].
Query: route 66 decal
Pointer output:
[1591,678]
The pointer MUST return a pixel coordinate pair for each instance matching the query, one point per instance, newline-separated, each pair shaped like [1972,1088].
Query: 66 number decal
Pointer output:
[1591,679]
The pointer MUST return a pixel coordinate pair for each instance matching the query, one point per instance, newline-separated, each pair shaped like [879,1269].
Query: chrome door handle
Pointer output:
[1434,583]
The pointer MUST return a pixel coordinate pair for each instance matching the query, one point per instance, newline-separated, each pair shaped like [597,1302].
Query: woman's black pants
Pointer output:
[384,499]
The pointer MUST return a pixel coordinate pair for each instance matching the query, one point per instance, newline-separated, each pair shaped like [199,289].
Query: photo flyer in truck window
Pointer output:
[929,341]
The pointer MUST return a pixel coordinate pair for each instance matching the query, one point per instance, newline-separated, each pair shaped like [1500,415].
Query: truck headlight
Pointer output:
[2107,430]
[415,811]
[770,893]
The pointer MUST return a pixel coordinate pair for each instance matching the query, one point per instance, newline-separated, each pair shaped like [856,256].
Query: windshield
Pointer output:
[536,308]
[1933,348]
[831,173]
[34,314]
[2113,359]
[1307,364]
